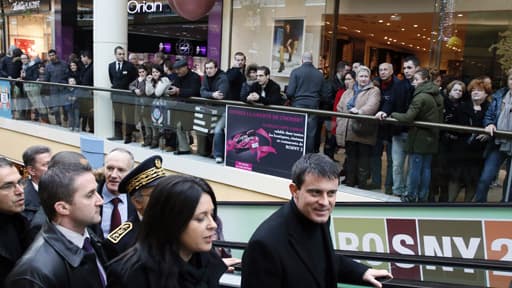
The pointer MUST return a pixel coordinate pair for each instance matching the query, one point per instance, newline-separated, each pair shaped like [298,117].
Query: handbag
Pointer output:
[363,128]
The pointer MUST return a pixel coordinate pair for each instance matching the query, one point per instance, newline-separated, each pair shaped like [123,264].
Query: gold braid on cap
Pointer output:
[145,178]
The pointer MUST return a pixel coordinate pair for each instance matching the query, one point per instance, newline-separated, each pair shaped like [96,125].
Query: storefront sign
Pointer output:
[264,141]
[25,5]
[459,238]
[135,7]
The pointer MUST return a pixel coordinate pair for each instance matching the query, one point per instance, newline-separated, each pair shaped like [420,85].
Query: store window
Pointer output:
[275,33]
[32,34]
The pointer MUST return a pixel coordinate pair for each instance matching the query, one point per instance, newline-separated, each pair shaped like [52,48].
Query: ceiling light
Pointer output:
[389,43]
[388,24]
[381,21]
[415,25]
[460,14]
[403,43]
[385,37]
[403,29]
[419,35]
[344,27]
[330,32]
[327,22]
[358,31]
[394,40]
[395,17]
[371,35]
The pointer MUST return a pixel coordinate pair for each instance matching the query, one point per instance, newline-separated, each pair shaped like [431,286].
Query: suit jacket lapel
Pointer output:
[295,236]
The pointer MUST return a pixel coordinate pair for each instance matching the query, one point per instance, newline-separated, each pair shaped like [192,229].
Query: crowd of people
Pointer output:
[68,225]
[421,164]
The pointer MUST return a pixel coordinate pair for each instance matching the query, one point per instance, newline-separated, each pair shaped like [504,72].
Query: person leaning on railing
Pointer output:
[156,85]
[464,151]
[497,117]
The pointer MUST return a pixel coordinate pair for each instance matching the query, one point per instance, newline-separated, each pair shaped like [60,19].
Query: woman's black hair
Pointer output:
[170,209]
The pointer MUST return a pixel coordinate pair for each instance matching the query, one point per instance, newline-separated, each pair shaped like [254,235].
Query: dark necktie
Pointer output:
[118,66]
[115,219]
[87,247]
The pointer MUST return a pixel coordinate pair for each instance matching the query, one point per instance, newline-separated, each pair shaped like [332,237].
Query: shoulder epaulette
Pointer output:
[116,235]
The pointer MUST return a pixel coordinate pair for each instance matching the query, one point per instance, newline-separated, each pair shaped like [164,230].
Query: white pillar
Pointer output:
[110,29]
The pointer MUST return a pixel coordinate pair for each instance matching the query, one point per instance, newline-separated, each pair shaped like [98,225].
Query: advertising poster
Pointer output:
[453,238]
[5,99]
[287,46]
[264,141]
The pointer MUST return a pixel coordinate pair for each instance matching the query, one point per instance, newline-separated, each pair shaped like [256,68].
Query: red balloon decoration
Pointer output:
[191,9]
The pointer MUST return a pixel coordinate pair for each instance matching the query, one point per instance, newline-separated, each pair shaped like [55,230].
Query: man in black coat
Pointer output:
[293,247]
[215,85]
[35,159]
[236,76]
[122,73]
[65,253]
[187,84]
[12,223]
[86,102]
[138,184]
[264,90]
[401,98]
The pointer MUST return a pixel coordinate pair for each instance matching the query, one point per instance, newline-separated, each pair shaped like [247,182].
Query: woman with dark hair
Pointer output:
[156,85]
[466,153]
[174,247]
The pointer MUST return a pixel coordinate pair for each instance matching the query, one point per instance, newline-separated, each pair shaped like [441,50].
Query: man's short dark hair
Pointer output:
[316,164]
[265,70]
[251,68]
[211,61]
[117,48]
[86,53]
[58,184]
[341,66]
[63,158]
[239,54]
[4,162]
[413,59]
[52,51]
[30,154]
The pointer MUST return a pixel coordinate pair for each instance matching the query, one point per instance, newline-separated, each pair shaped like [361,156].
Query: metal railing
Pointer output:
[199,100]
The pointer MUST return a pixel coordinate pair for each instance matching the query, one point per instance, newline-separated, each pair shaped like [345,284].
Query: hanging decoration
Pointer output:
[447,9]
[191,9]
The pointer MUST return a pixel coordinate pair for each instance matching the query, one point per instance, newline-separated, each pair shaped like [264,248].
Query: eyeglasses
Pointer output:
[260,75]
[11,186]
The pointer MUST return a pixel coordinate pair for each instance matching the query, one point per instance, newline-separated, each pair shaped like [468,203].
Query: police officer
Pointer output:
[138,184]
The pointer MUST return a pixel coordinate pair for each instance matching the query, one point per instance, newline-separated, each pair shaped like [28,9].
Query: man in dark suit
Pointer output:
[116,209]
[293,247]
[138,184]
[65,253]
[122,73]
[35,159]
